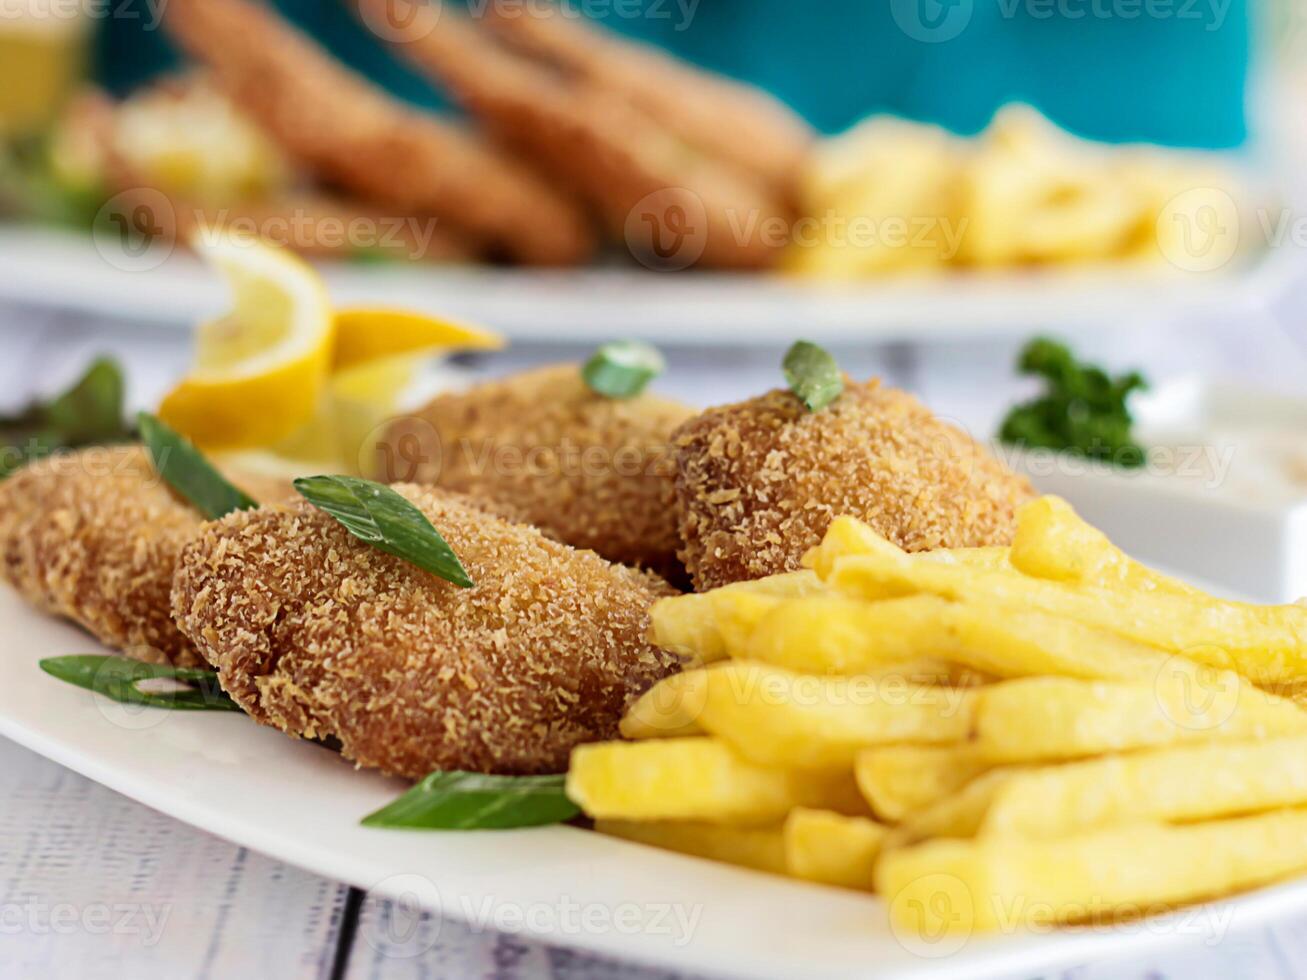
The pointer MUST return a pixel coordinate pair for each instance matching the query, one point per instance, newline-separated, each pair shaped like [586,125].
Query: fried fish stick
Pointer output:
[759,482]
[590,471]
[320,635]
[94,536]
[735,122]
[354,134]
[669,202]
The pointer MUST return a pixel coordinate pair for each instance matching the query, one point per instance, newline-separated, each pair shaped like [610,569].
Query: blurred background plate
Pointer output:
[48,267]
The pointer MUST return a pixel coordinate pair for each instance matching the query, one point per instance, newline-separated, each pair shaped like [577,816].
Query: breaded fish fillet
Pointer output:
[320,635]
[352,133]
[94,536]
[590,471]
[758,483]
[669,202]
[734,122]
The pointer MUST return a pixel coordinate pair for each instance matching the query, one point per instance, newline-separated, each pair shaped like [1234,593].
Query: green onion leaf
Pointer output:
[133,682]
[813,375]
[90,413]
[374,513]
[623,368]
[475,801]
[186,470]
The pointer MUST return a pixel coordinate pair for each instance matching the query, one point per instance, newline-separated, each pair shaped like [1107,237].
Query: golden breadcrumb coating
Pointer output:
[94,536]
[738,123]
[356,135]
[318,634]
[670,202]
[758,483]
[590,471]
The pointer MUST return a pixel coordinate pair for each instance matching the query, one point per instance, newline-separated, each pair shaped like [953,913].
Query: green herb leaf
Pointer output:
[186,470]
[88,413]
[623,368]
[475,801]
[91,411]
[1083,410]
[813,375]
[133,682]
[378,515]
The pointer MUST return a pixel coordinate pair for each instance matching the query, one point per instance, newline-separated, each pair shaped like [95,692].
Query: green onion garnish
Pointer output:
[374,513]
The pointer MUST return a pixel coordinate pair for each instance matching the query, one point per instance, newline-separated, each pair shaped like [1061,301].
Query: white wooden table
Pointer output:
[93,885]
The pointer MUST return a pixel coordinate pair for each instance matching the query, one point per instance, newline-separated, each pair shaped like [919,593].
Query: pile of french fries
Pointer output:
[892,196]
[1047,733]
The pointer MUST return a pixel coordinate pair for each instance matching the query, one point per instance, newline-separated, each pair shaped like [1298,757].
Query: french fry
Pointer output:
[992,558]
[778,718]
[1052,718]
[832,634]
[688,624]
[961,814]
[1053,542]
[1176,785]
[669,709]
[831,848]
[685,624]
[845,537]
[1021,643]
[992,883]
[737,614]
[1267,644]
[697,779]
[760,848]
[900,779]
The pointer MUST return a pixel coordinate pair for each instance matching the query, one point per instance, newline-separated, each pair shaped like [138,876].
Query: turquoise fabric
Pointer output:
[1169,71]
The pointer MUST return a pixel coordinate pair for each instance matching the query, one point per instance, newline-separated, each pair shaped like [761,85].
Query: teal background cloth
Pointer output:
[1165,71]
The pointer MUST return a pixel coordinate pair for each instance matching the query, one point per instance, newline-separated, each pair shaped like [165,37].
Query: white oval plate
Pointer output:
[44,267]
[301,804]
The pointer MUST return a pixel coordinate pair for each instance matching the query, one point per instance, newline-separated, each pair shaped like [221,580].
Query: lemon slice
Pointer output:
[260,371]
[373,334]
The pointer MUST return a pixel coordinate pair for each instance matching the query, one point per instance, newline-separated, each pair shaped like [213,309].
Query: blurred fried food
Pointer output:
[737,123]
[349,132]
[674,203]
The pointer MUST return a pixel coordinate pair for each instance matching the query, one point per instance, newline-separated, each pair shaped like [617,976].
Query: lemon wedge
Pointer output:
[261,370]
[364,335]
